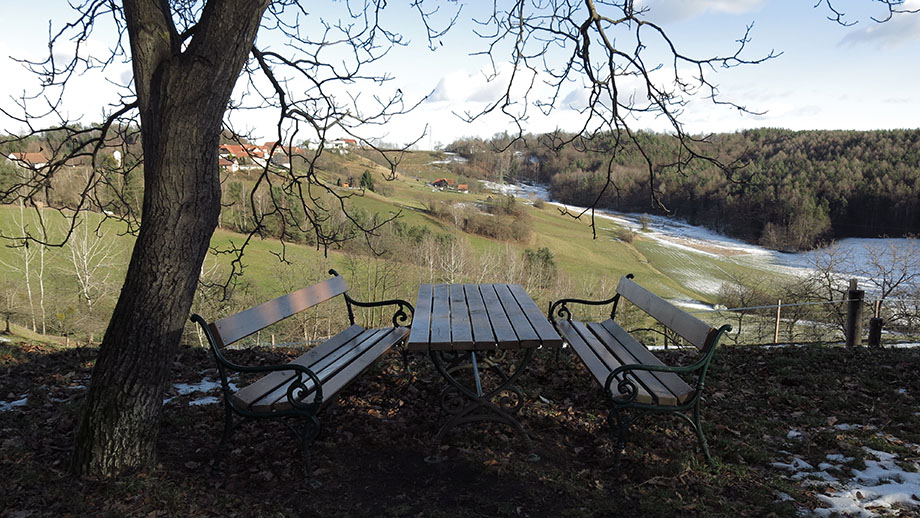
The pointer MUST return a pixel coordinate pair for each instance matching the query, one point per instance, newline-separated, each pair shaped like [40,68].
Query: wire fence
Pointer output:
[893,320]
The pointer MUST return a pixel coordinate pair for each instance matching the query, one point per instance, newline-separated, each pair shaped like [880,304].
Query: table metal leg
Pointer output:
[499,404]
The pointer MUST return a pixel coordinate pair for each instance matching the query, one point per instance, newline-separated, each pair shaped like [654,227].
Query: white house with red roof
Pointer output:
[28,160]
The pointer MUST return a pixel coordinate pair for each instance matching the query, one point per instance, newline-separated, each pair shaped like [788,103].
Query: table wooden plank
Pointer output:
[525,332]
[461,331]
[440,318]
[547,334]
[505,337]
[479,319]
[421,320]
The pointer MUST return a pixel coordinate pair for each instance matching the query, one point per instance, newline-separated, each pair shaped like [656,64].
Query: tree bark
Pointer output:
[182,95]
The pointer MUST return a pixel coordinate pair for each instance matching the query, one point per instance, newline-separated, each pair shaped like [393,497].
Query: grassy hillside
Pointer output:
[586,267]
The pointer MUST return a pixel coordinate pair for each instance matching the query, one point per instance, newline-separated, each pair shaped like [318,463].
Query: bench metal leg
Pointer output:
[228,427]
[620,422]
[698,426]
[308,432]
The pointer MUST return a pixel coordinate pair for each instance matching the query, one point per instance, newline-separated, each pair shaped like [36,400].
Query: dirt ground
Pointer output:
[369,459]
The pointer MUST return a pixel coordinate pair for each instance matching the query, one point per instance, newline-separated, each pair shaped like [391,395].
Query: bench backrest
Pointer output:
[689,327]
[240,325]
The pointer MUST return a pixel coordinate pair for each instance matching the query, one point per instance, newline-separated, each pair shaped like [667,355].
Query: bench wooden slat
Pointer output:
[602,361]
[245,323]
[324,369]
[669,380]
[592,362]
[383,342]
[527,335]
[461,328]
[504,333]
[479,319]
[440,318]
[662,385]
[372,344]
[421,320]
[545,332]
[248,395]
[686,325]
[660,394]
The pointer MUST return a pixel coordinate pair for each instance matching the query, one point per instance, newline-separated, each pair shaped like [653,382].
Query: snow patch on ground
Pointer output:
[204,386]
[903,346]
[2,339]
[5,407]
[873,491]
[207,400]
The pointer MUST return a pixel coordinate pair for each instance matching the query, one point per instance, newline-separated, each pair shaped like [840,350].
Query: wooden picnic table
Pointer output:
[472,330]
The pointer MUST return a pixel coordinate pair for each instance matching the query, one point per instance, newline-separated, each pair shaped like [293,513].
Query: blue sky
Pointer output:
[828,76]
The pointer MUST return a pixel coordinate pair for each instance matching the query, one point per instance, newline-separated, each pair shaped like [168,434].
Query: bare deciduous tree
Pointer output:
[892,269]
[92,258]
[186,58]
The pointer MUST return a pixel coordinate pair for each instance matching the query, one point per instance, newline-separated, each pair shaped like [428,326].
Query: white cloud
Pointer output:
[900,30]
[483,86]
[682,10]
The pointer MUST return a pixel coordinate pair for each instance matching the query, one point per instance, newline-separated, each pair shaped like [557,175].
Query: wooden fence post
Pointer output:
[779,305]
[875,331]
[854,314]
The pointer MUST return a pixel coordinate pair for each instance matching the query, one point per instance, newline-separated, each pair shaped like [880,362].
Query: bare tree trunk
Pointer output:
[41,287]
[182,93]
[26,261]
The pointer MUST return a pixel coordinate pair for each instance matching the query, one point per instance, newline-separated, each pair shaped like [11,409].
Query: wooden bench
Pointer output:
[634,380]
[301,387]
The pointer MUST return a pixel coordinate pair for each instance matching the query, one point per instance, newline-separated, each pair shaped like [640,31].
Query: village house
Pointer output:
[228,165]
[28,160]
[443,183]
[241,155]
[342,144]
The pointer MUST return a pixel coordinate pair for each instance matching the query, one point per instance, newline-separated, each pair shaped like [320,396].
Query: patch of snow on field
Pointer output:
[2,339]
[4,406]
[518,190]
[450,157]
[683,236]
[693,305]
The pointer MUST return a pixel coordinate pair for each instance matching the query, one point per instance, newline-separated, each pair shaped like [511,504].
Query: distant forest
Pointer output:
[788,190]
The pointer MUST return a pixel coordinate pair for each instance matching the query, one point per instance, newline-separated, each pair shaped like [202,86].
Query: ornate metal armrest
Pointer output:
[627,391]
[627,386]
[399,317]
[296,387]
[560,307]
[298,384]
